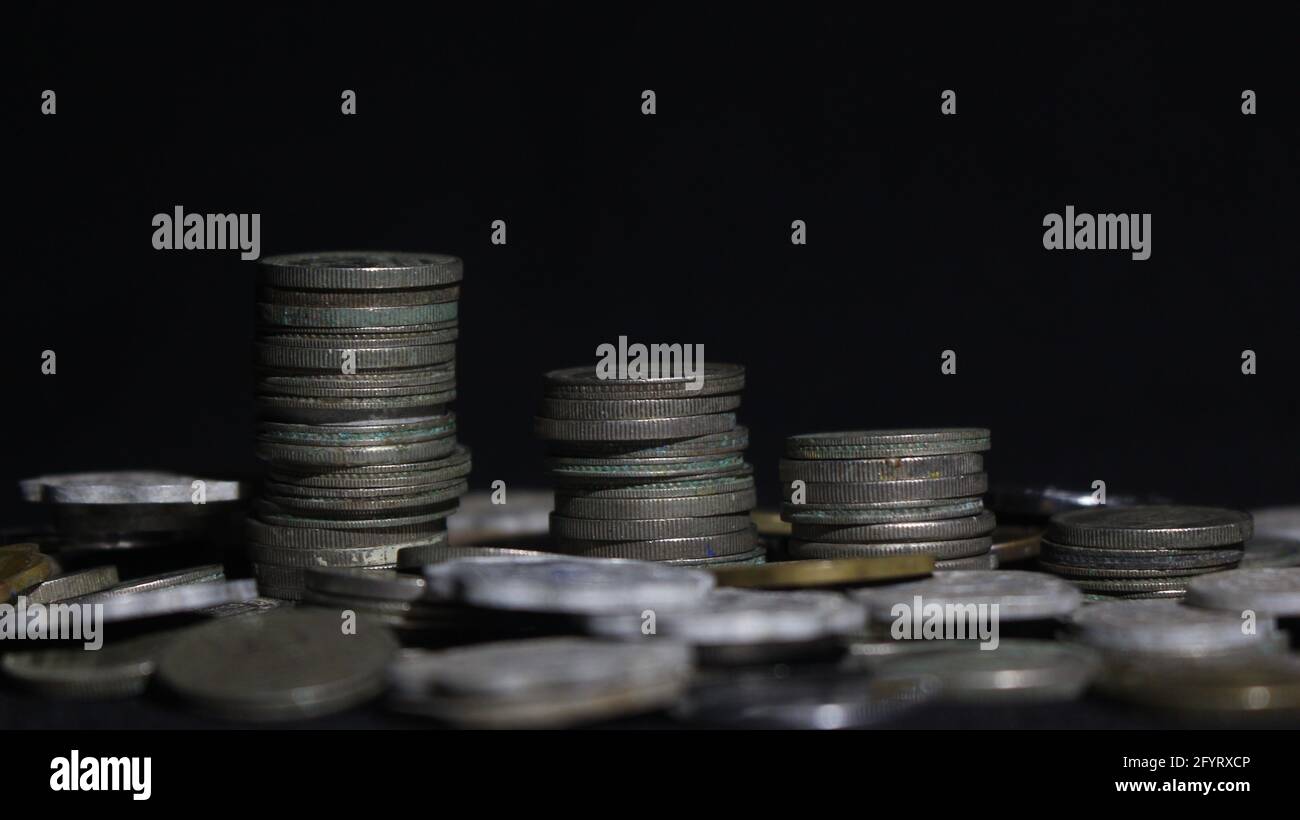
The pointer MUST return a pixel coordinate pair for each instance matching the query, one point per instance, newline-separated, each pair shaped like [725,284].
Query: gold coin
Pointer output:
[1241,682]
[769,523]
[22,549]
[1016,543]
[20,571]
[823,573]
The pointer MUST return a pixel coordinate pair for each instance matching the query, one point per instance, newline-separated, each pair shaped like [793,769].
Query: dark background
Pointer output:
[925,232]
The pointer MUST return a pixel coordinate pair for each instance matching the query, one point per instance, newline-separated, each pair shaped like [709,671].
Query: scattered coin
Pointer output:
[1271,551]
[1016,671]
[1274,591]
[1261,683]
[1168,627]
[1019,595]
[118,669]
[823,573]
[73,585]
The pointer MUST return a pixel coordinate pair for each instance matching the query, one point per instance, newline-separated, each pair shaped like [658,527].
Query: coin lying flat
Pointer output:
[163,601]
[73,585]
[280,666]
[570,585]
[1270,551]
[1277,522]
[1155,560]
[1263,683]
[871,444]
[804,699]
[663,549]
[547,682]
[583,506]
[360,270]
[881,513]
[940,550]
[613,409]
[880,469]
[585,382]
[823,573]
[120,669]
[419,556]
[936,530]
[386,585]
[1042,502]
[736,617]
[631,529]
[1019,595]
[1016,671]
[884,492]
[127,487]
[1014,543]
[1151,527]
[1168,627]
[987,561]
[1275,591]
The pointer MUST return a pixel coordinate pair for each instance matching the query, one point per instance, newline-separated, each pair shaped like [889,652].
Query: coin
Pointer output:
[661,549]
[936,530]
[1262,683]
[741,480]
[882,513]
[880,469]
[612,409]
[914,489]
[1018,595]
[1166,627]
[987,561]
[581,506]
[1275,591]
[283,665]
[585,382]
[823,573]
[1152,559]
[1278,522]
[366,583]
[413,557]
[1016,671]
[872,444]
[579,473]
[311,316]
[119,669]
[360,270]
[1013,543]
[570,585]
[734,440]
[162,601]
[20,571]
[633,529]
[387,298]
[952,548]
[1040,503]
[633,429]
[1269,551]
[73,585]
[1153,527]
[133,487]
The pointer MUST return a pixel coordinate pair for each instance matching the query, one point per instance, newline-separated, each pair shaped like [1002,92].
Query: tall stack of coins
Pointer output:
[356,371]
[873,493]
[1143,552]
[649,468]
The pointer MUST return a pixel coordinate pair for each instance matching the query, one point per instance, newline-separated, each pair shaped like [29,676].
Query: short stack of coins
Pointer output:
[652,469]
[874,493]
[1143,552]
[356,371]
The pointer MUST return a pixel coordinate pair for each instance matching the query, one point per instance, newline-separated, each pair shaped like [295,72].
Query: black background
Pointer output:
[925,231]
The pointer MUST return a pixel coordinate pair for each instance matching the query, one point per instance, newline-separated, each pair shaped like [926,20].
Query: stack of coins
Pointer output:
[874,493]
[356,370]
[1143,552]
[651,469]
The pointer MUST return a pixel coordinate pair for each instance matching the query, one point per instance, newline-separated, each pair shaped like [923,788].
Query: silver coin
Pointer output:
[356,507]
[386,523]
[1018,595]
[1044,502]
[386,585]
[987,561]
[372,298]
[325,338]
[871,444]
[369,433]
[570,585]
[1156,560]
[953,548]
[1278,522]
[128,487]
[154,603]
[1015,671]
[804,699]
[1167,627]
[613,409]
[305,557]
[360,270]
[583,506]
[1271,590]
[734,440]
[586,382]
[339,410]
[73,585]
[654,429]
[876,492]
[742,480]
[311,538]
[1150,527]
[937,530]
[363,358]
[120,669]
[579,473]
[358,455]
[414,557]
[1270,551]
[633,529]
[885,513]
[731,617]
[167,580]
[310,316]
[283,665]
[880,469]
[661,549]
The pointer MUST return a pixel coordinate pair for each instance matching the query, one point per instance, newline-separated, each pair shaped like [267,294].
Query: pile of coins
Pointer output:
[652,469]
[356,370]
[1143,552]
[876,493]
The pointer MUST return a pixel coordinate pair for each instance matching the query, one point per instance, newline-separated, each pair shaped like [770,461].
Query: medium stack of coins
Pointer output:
[356,369]
[649,468]
[874,493]
[1143,552]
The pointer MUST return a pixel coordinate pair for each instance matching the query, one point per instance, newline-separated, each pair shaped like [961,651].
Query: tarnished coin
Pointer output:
[1134,587]
[871,444]
[661,549]
[742,480]
[1152,527]
[613,409]
[360,270]
[73,585]
[879,492]
[754,557]
[804,699]
[1275,591]
[1042,502]
[1085,573]
[735,617]
[576,474]
[297,537]
[541,683]
[940,550]
[415,557]
[585,382]
[385,585]
[120,669]
[570,585]
[1270,551]
[583,506]
[823,573]
[284,665]
[1168,627]
[985,562]
[456,464]
[1018,595]
[362,358]
[938,530]
[167,580]
[880,469]
[311,316]
[367,433]
[379,505]
[1015,671]
[1155,560]
[358,455]
[1015,543]
[1261,683]
[634,529]
[883,513]
[734,440]
[372,298]
[653,429]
